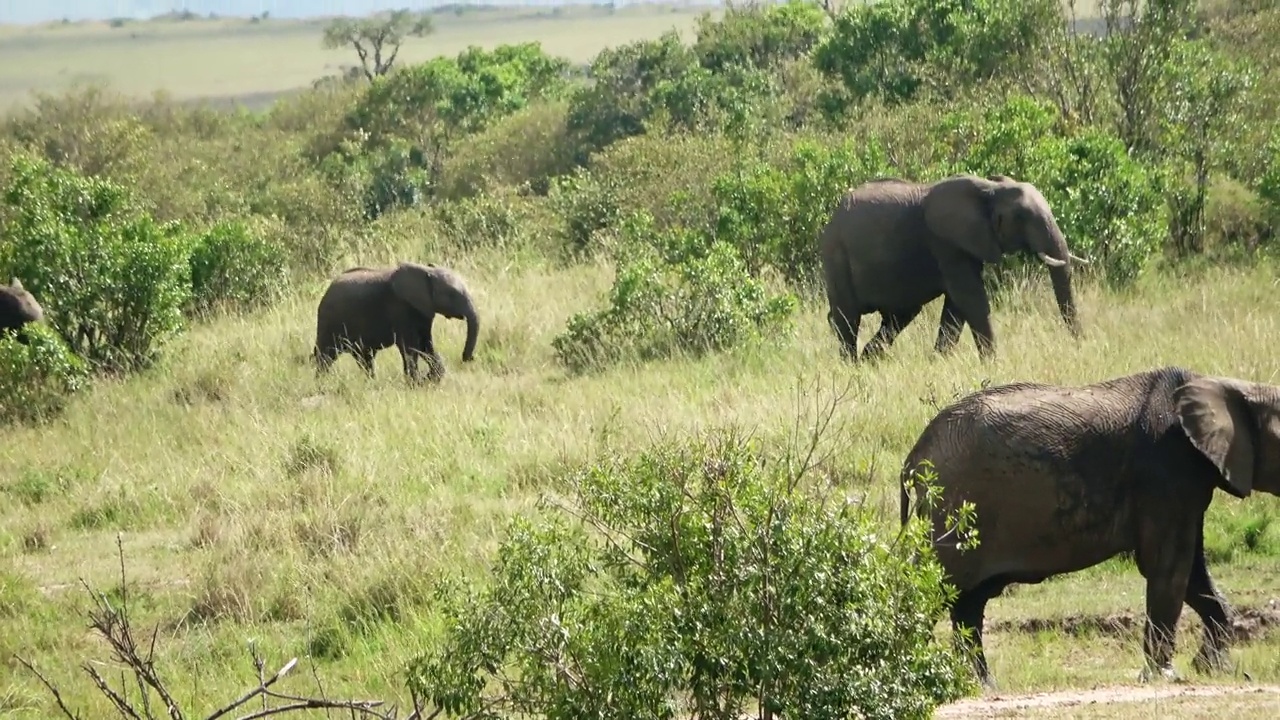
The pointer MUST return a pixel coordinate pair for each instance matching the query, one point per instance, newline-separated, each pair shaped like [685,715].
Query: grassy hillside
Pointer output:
[258,504]
[251,61]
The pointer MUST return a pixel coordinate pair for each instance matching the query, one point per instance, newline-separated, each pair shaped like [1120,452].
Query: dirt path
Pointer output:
[997,705]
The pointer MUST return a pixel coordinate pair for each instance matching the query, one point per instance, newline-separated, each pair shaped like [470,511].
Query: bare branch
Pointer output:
[262,686]
[57,696]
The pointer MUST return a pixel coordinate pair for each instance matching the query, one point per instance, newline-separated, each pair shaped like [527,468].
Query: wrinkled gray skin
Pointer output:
[368,309]
[893,246]
[1063,478]
[17,308]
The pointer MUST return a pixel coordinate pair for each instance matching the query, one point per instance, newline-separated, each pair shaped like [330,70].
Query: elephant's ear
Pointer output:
[16,284]
[1217,419]
[412,283]
[959,210]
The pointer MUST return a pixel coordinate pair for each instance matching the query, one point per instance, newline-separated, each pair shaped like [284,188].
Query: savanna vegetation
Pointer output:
[657,491]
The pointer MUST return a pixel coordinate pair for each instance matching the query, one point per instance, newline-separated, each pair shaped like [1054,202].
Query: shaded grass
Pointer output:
[232,58]
[312,514]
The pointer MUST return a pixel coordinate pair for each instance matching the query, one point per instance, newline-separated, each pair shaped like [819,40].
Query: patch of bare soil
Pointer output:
[1249,623]
[1012,705]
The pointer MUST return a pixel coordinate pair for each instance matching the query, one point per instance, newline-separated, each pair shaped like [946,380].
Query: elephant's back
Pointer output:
[352,297]
[18,307]
[1039,465]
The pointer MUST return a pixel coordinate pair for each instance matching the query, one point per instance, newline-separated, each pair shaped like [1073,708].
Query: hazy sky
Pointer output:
[33,11]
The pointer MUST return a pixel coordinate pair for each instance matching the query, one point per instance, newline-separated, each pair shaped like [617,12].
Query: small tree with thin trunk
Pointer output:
[377,39]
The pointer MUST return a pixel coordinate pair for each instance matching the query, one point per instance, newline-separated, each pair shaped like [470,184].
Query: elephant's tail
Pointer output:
[906,480]
[903,499]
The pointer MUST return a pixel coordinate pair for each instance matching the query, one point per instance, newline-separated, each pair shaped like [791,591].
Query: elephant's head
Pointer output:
[988,217]
[437,290]
[1236,425]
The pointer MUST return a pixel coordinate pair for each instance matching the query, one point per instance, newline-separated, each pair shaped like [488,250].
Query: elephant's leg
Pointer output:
[962,277]
[408,347]
[891,323]
[846,328]
[364,356]
[844,309]
[949,326]
[1203,597]
[968,613]
[427,346]
[1167,569]
[324,356]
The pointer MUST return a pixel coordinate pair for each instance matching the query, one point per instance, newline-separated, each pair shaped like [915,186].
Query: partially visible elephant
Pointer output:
[1062,478]
[892,246]
[17,308]
[368,309]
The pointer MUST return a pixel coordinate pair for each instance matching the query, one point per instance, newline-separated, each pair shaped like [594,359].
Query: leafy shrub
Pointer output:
[528,148]
[772,213]
[759,37]
[616,103]
[233,267]
[733,99]
[500,219]
[399,133]
[668,177]
[676,292]
[111,280]
[700,579]
[1235,216]
[1269,183]
[893,49]
[1110,206]
[39,377]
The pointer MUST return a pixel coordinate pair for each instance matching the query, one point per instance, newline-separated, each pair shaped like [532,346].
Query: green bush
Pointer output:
[39,377]
[501,219]
[616,103]
[772,213]
[676,292]
[667,177]
[111,280]
[529,148]
[234,268]
[759,37]
[1269,182]
[1110,207]
[895,49]
[701,579]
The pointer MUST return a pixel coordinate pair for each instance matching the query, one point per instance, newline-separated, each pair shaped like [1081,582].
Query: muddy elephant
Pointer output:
[17,308]
[366,310]
[1063,478]
[893,246]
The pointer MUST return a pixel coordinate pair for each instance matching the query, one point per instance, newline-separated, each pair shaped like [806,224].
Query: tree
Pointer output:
[376,35]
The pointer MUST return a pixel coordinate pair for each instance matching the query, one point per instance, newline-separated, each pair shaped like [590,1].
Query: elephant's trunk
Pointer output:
[473,332]
[1055,254]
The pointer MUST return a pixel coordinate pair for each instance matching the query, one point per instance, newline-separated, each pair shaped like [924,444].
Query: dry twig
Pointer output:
[113,624]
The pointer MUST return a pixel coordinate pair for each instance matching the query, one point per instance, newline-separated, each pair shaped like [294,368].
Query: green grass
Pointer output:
[259,503]
[235,59]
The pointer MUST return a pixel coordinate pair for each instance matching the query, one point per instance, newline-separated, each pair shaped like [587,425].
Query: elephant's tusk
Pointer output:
[1080,260]
[1050,261]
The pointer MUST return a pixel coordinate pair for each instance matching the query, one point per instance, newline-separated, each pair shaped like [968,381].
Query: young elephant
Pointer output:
[368,309]
[17,308]
[1063,478]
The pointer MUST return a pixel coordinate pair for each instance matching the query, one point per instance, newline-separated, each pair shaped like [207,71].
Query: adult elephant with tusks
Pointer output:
[367,309]
[1062,478]
[892,246]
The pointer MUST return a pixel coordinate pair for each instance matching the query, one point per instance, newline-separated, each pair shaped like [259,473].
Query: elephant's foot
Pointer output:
[1166,673]
[1211,659]
[435,368]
